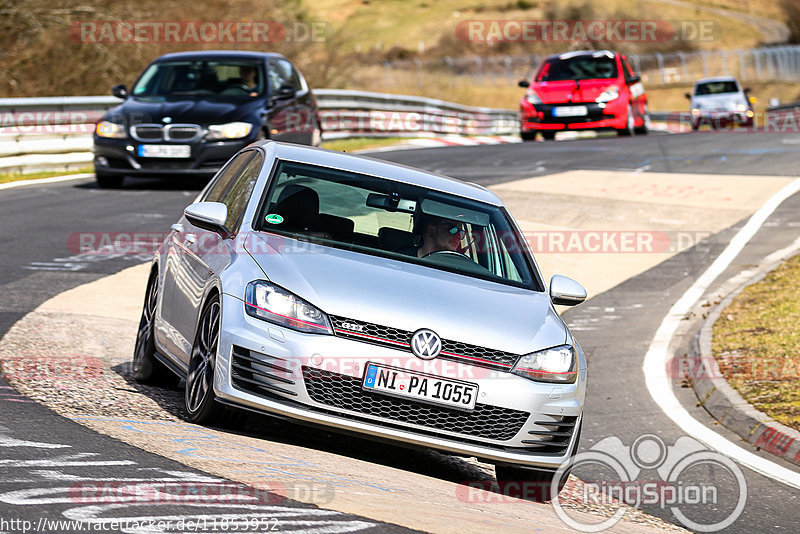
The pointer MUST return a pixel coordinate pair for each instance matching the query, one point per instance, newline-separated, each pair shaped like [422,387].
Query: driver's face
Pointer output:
[447,235]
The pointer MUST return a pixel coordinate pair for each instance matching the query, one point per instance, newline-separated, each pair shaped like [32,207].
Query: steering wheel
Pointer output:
[448,253]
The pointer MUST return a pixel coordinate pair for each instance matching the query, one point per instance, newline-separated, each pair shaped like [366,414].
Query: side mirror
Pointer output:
[746,89]
[208,215]
[688,96]
[524,83]
[120,91]
[566,291]
[285,92]
[633,79]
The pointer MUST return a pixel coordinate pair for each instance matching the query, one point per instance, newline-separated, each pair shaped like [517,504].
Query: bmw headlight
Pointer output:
[557,364]
[111,129]
[611,93]
[231,130]
[533,98]
[274,304]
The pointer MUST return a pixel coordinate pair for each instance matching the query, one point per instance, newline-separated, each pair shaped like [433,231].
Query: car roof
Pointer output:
[381,168]
[716,79]
[226,54]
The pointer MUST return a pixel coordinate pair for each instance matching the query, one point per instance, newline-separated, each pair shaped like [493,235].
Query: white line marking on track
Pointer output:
[39,181]
[659,383]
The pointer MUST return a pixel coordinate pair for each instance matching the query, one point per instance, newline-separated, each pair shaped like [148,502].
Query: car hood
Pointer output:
[409,297]
[560,92]
[723,102]
[137,110]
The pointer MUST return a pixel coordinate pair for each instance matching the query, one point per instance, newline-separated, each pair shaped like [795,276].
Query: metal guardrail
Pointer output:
[55,132]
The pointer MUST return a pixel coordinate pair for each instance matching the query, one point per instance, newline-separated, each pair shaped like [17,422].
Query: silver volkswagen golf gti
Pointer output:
[366,297]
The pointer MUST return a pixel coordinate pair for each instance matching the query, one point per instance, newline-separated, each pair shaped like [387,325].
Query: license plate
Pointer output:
[419,386]
[570,111]
[165,151]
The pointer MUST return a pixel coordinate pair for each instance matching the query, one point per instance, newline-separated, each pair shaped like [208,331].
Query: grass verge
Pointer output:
[6,177]
[361,143]
[756,343]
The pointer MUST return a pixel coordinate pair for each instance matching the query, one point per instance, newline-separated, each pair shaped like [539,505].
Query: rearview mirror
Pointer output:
[208,215]
[566,291]
[120,91]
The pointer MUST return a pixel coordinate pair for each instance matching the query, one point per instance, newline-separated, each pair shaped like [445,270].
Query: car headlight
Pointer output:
[557,364]
[695,111]
[611,93]
[533,98]
[231,130]
[741,107]
[274,304]
[111,129]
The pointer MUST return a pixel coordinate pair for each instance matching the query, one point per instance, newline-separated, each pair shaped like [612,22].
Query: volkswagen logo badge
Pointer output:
[426,344]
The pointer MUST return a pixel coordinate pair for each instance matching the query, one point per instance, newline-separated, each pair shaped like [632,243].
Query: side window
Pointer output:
[628,70]
[238,195]
[286,73]
[226,177]
[277,77]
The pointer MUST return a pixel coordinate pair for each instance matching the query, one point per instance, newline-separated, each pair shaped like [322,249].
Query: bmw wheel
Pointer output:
[146,367]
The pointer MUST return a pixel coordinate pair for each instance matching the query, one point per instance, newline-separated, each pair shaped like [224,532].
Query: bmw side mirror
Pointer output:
[285,92]
[688,96]
[566,291]
[524,83]
[120,91]
[208,215]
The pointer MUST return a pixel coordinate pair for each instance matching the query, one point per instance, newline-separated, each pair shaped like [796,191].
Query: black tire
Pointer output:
[201,402]
[548,136]
[628,130]
[532,484]
[528,136]
[147,369]
[645,127]
[107,181]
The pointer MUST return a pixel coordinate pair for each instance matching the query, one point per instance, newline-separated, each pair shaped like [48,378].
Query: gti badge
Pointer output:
[426,344]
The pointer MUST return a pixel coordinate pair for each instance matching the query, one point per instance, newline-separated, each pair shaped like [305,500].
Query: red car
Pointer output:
[586,90]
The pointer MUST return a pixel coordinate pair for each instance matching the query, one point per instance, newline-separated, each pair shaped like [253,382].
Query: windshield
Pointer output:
[224,79]
[716,88]
[380,217]
[578,68]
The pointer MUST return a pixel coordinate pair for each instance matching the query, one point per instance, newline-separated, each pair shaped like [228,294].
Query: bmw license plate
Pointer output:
[419,386]
[165,151]
[570,111]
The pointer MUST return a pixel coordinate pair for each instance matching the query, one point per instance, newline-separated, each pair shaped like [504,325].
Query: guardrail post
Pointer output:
[660,63]
[704,58]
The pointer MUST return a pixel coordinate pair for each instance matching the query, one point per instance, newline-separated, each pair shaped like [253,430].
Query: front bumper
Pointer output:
[119,157]
[316,379]
[541,117]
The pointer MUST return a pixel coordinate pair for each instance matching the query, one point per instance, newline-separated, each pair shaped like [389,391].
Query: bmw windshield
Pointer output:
[380,217]
[233,79]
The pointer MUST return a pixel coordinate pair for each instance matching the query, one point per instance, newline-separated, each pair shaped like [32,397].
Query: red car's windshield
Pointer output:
[578,68]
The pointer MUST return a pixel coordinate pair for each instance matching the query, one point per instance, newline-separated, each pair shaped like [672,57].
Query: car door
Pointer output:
[183,281]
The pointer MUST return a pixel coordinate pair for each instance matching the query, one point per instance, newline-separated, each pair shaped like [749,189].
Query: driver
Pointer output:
[440,235]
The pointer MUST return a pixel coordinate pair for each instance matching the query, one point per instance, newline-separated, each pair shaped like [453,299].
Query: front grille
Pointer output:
[344,392]
[150,132]
[260,373]
[393,337]
[182,133]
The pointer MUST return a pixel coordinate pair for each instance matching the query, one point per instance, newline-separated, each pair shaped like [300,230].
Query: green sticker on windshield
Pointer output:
[274,218]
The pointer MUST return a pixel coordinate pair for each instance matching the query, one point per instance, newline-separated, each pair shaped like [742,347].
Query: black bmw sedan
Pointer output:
[189,112]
